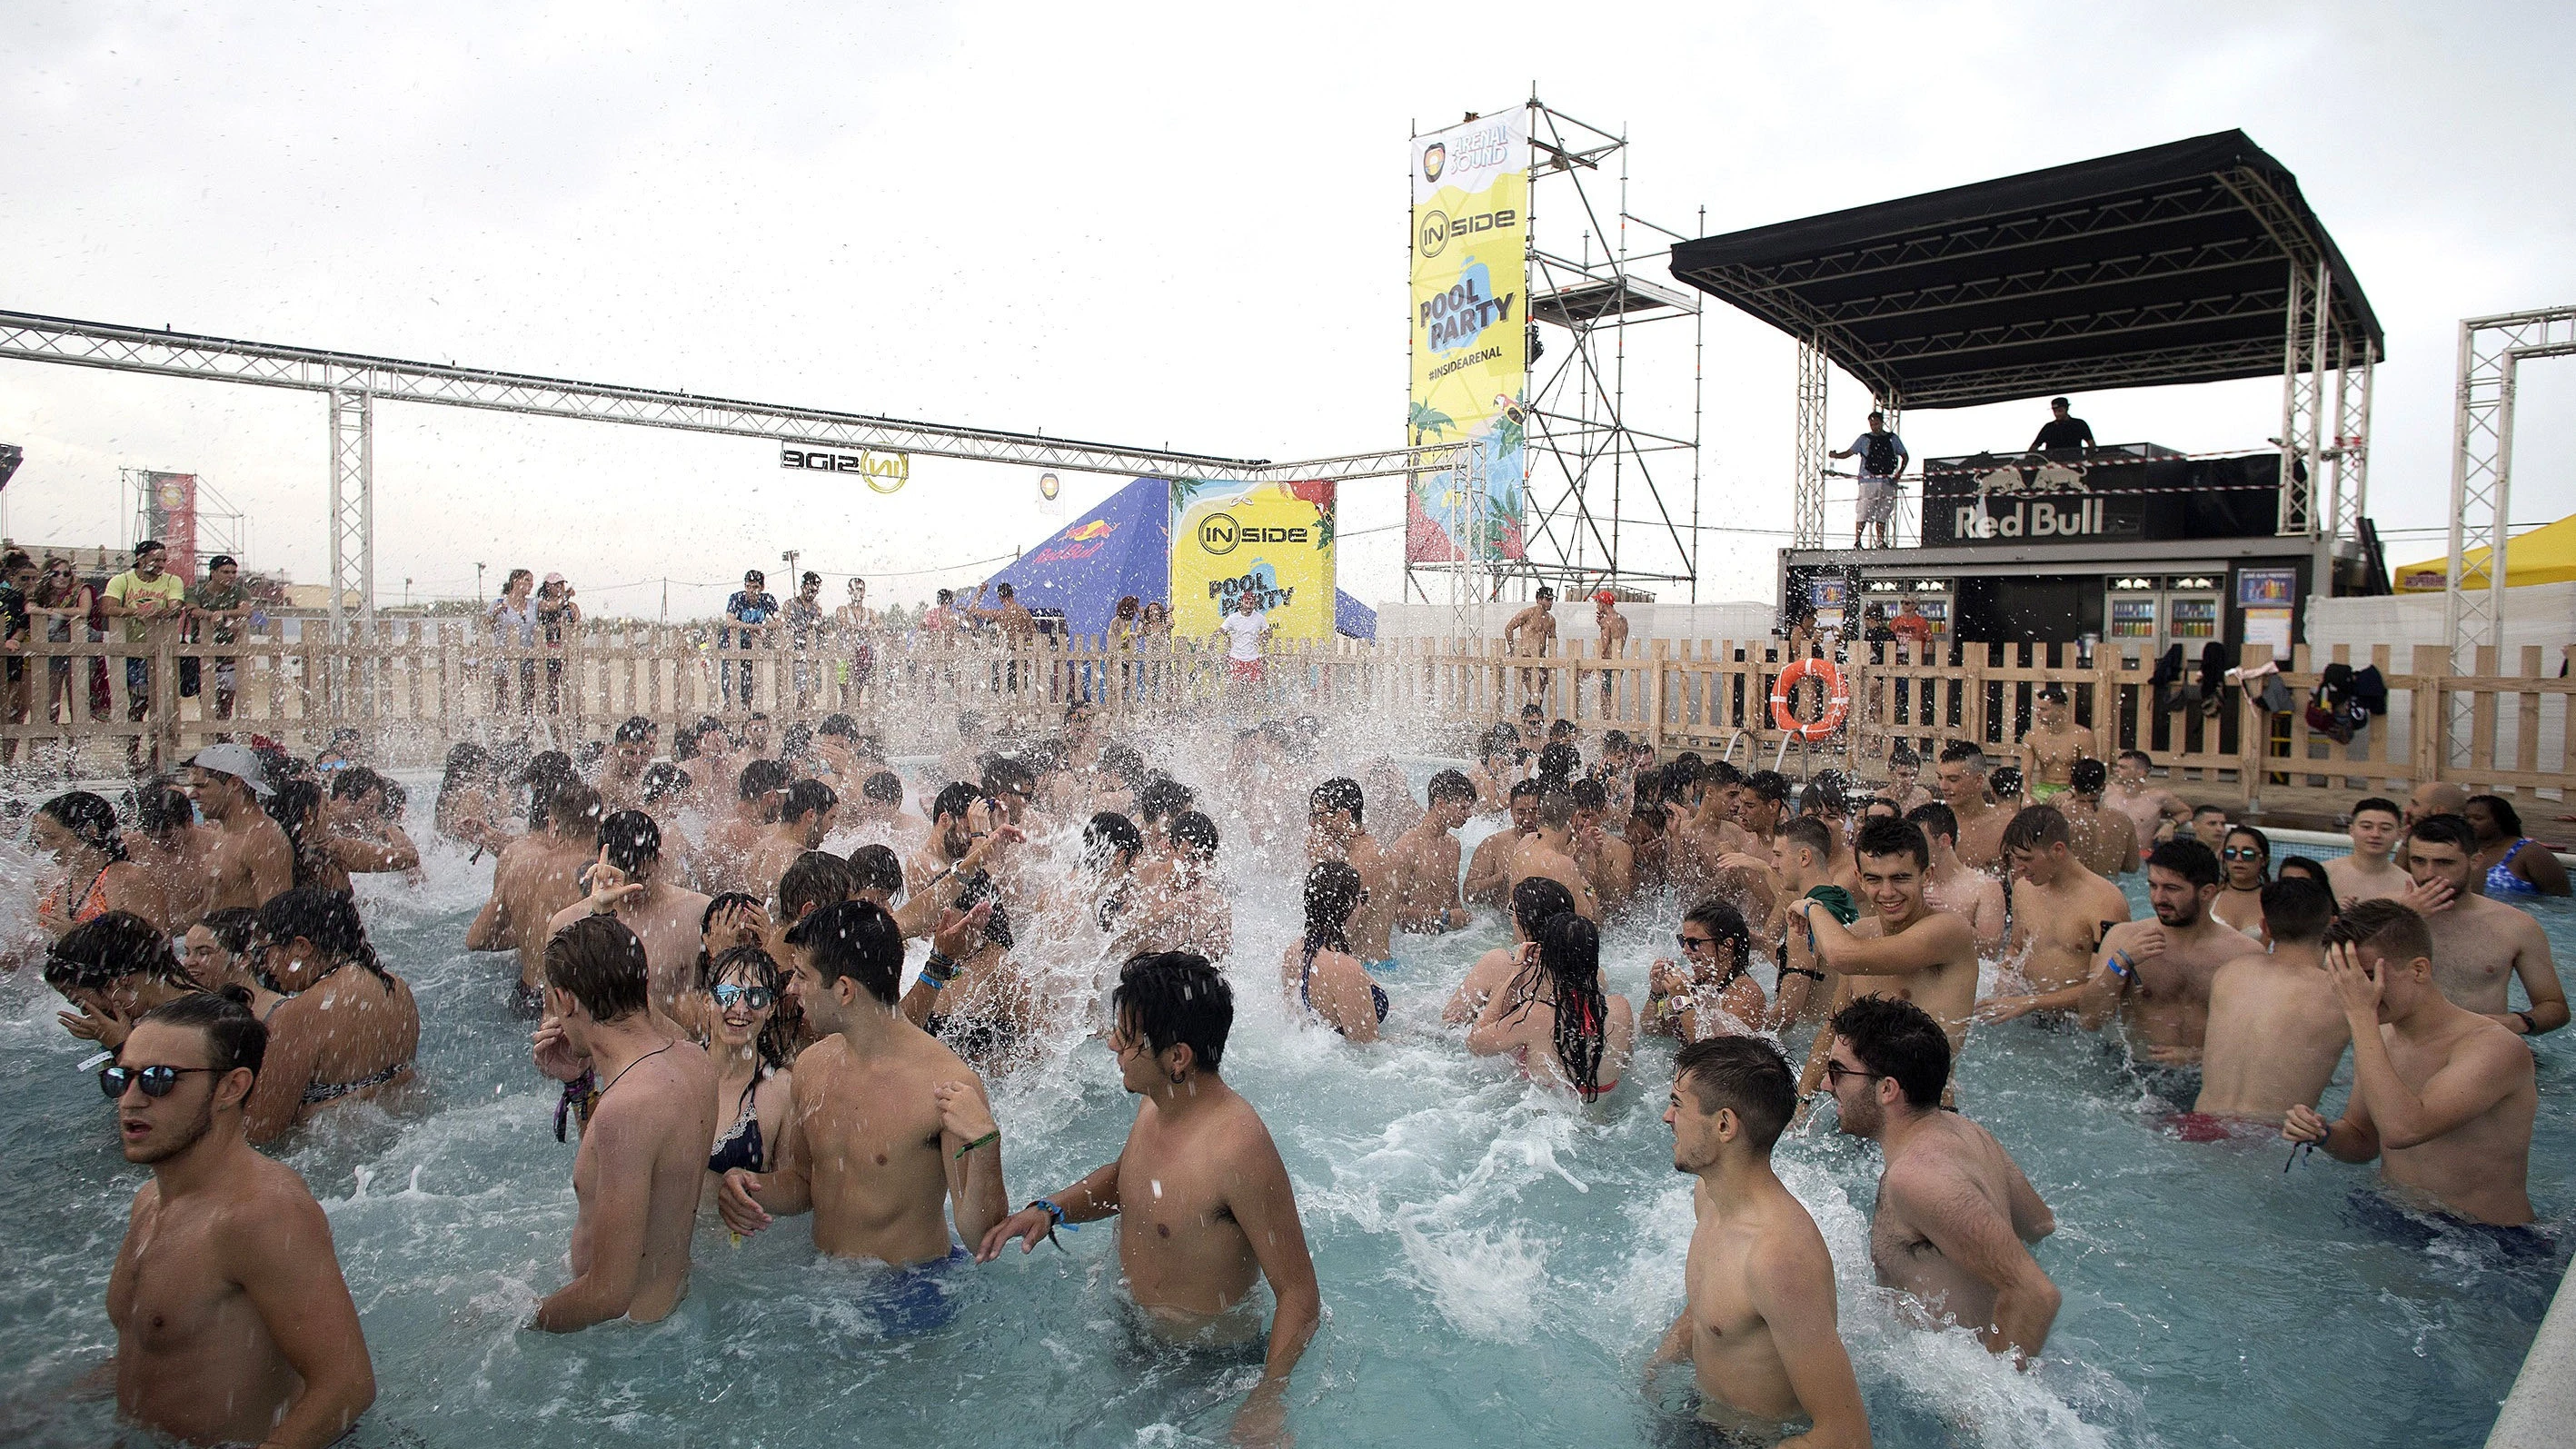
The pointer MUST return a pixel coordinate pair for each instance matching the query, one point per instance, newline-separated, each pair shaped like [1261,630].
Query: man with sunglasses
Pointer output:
[233,1324]
[1955,1216]
[628,885]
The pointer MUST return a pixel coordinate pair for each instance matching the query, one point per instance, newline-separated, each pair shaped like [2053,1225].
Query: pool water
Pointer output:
[1496,1263]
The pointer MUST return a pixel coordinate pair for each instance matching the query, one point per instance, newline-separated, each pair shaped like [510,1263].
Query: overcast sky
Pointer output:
[1142,225]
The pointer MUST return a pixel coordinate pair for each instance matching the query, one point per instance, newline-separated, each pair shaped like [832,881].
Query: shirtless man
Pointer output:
[1531,634]
[2441,1095]
[1612,627]
[1547,851]
[644,1135]
[2061,909]
[724,857]
[1488,881]
[175,853]
[2276,1031]
[1605,859]
[1334,832]
[2435,797]
[2208,825]
[877,813]
[1757,1321]
[249,860]
[2106,840]
[233,1324]
[627,883]
[1186,910]
[890,1134]
[2153,810]
[1425,859]
[1904,950]
[1802,857]
[2369,874]
[805,814]
[2154,974]
[1972,895]
[1955,1216]
[537,875]
[1962,778]
[1204,1204]
[2478,944]
[2049,751]
[621,773]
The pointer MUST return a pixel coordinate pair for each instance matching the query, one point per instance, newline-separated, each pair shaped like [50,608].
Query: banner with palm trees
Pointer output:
[1470,370]
[1273,541]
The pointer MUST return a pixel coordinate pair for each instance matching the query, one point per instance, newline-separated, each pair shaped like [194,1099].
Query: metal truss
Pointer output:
[2305,325]
[2492,350]
[1807,523]
[2347,483]
[353,503]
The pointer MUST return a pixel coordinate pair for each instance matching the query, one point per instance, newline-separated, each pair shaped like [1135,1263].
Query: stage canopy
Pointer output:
[2167,265]
[2544,555]
[1124,547]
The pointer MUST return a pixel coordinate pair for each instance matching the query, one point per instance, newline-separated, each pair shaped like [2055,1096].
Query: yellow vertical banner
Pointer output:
[1272,540]
[1470,337]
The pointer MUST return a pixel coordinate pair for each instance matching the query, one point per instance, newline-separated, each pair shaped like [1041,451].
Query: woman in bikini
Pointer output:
[1712,991]
[1320,971]
[2245,859]
[473,804]
[223,950]
[1554,1018]
[737,1002]
[351,1028]
[2515,864]
[80,830]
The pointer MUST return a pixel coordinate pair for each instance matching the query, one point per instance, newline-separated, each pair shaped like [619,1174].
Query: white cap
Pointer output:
[239,761]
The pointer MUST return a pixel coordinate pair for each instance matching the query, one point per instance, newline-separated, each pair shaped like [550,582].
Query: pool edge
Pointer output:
[2542,1402]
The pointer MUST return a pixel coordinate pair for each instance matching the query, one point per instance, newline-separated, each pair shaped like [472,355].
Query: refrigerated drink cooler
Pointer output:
[2144,614]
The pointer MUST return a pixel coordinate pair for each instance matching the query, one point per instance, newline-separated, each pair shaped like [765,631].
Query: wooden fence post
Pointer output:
[2428,715]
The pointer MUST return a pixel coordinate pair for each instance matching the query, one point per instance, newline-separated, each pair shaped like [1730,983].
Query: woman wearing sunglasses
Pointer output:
[2246,861]
[740,993]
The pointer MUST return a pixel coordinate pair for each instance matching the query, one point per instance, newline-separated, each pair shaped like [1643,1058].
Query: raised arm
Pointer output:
[971,1152]
[1264,1204]
[622,1150]
[283,1260]
[2475,1079]
[1934,941]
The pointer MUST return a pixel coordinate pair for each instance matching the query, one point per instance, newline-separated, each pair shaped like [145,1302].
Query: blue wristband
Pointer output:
[1056,1213]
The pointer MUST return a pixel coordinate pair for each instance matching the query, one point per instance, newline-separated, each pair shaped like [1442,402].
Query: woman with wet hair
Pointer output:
[1320,972]
[352,1027]
[740,994]
[1554,1018]
[223,950]
[81,832]
[1534,901]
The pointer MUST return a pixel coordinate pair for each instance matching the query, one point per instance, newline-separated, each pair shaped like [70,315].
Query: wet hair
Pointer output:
[1723,775]
[885,787]
[775,1046]
[1195,834]
[875,867]
[601,964]
[1902,757]
[1340,793]
[807,797]
[1161,798]
[1884,838]
[162,809]
[1555,807]
[1768,785]
[662,780]
[814,880]
[234,928]
[574,810]
[1936,820]
[707,919]
[637,730]
[1810,832]
[796,741]
[1719,917]
[1536,900]
[236,1040]
[2296,909]
[464,763]
[1122,763]
[838,726]
[1175,998]
[2382,804]
[1745,1075]
[2300,865]
[1569,955]
[2190,859]
[2005,783]
[1502,739]
[2508,820]
[1589,794]
[98,953]
[1964,752]
[296,806]
[1561,730]
[1332,894]
[2088,777]
[2446,829]
[1527,789]
[2141,756]
[2390,928]
[1004,773]
[2261,841]
[2051,694]
[543,775]
[357,781]
[2035,828]
[1113,832]
[90,819]
[955,799]
[326,918]
[1897,1039]
[1557,764]
[1824,795]
[762,777]
[997,925]
[631,839]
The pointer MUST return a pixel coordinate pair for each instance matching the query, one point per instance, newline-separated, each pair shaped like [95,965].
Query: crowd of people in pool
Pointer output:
[728,1008]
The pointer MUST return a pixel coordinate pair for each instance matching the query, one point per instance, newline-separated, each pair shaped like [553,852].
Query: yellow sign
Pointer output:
[1470,336]
[1272,540]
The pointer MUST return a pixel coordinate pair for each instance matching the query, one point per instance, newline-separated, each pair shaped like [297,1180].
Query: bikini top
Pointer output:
[1305,986]
[93,901]
[2501,881]
[741,1146]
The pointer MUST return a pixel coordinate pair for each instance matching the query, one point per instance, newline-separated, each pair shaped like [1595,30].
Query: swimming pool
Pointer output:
[1496,1263]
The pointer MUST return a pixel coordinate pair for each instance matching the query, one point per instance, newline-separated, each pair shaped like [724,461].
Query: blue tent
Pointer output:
[1124,547]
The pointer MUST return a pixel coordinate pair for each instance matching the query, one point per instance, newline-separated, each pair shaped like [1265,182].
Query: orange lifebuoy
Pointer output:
[1785,688]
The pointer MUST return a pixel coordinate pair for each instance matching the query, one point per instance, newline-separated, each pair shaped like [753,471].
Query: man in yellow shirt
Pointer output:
[145,594]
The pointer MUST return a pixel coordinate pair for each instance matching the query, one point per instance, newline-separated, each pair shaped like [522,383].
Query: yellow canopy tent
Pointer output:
[2545,555]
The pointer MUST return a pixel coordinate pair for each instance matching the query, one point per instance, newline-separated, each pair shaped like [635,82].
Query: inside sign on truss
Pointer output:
[884,472]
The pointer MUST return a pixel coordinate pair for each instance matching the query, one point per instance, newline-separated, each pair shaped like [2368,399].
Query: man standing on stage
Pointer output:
[1882,456]
[2064,438]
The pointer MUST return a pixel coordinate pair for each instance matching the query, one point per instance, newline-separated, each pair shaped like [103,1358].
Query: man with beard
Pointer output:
[1955,1215]
[1904,949]
[2479,944]
[1425,859]
[1334,831]
[537,875]
[1203,1202]
[233,1324]
[1487,882]
[628,884]
[1757,1321]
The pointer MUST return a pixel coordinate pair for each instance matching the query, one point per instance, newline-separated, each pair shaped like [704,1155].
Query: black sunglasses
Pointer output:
[1697,943]
[157,1081]
[1836,1071]
[756,998]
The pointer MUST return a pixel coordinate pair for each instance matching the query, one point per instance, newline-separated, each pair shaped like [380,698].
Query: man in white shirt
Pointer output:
[1882,456]
[1246,629]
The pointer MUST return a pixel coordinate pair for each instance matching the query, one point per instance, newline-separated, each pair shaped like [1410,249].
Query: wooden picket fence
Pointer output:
[418,685]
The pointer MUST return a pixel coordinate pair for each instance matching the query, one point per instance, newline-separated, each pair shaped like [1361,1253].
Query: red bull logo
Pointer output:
[1096,528]
[1079,544]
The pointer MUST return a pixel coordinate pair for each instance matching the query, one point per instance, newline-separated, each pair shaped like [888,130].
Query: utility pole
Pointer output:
[406,591]
[479,600]
[790,557]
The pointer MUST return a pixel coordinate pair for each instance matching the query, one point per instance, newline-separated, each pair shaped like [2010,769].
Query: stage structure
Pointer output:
[186,514]
[1569,480]
[352,383]
[2492,351]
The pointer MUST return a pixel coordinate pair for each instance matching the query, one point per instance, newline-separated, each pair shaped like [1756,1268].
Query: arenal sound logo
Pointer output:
[1435,159]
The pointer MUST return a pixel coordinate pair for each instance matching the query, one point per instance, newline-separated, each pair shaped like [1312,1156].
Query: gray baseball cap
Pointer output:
[239,761]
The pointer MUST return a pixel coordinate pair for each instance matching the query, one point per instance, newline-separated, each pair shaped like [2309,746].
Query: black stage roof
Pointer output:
[2158,266]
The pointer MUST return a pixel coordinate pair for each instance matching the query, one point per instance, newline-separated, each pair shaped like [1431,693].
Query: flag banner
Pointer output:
[1470,337]
[1272,540]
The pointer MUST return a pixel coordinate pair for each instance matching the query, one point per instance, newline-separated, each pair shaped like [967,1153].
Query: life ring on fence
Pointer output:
[1837,698]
